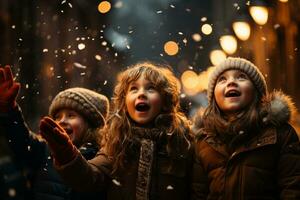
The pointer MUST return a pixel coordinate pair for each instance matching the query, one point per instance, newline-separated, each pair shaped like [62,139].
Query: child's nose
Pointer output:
[231,81]
[142,93]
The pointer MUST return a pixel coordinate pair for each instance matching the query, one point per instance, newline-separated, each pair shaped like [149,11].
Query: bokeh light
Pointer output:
[206,29]
[228,44]
[104,7]
[216,56]
[171,48]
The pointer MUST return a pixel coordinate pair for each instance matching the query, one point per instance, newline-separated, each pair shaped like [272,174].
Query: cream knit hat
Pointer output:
[244,65]
[92,105]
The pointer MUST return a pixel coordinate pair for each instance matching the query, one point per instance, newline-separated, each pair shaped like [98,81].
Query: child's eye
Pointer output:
[221,79]
[133,88]
[242,76]
[151,88]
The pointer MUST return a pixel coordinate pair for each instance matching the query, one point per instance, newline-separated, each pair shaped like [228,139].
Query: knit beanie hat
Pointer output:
[244,65]
[91,105]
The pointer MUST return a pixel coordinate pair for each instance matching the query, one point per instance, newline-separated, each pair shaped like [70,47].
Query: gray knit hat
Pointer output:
[244,65]
[92,105]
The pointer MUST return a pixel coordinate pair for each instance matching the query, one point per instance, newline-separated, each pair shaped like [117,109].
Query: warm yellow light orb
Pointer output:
[217,56]
[104,7]
[228,44]
[259,14]
[189,79]
[241,30]
[206,29]
[171,48]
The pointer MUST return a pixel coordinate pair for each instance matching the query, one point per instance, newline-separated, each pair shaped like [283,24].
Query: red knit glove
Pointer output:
[58,141]
[8,90]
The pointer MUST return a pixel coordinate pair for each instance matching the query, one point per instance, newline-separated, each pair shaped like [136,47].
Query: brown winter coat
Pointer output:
[170,179]
[266,166]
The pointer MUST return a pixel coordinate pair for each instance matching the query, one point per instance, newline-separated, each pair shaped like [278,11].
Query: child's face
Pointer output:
[143,101]
[233,91]
[73,123]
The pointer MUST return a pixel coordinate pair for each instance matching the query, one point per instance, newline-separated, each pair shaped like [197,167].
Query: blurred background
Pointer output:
[56,44]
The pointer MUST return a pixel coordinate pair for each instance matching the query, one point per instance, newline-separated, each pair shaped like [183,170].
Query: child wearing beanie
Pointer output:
[79,112]
[245,146]
[147,151]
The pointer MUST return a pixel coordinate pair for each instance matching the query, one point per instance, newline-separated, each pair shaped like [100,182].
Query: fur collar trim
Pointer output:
[277,108]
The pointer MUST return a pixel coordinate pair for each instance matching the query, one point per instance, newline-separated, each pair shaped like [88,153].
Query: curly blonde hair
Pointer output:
[117,132]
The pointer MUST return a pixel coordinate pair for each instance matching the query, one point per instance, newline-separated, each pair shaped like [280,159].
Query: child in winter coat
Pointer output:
[245,147]
[79,112]
[147,152]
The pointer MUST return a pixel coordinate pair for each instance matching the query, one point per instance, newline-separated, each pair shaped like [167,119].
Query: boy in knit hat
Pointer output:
[245,146]
[79,111]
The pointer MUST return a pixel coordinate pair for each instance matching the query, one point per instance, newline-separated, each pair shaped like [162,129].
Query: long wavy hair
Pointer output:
[245,121]
[117,133]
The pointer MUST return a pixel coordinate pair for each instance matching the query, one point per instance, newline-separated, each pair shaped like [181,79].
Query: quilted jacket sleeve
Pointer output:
[85,176]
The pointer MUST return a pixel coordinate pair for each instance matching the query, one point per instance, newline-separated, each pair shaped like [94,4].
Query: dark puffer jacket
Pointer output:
[170,178]
[12,180]
[266,166]
[34,156]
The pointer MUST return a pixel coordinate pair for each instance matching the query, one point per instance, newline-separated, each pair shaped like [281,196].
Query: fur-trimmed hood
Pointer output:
[277,108]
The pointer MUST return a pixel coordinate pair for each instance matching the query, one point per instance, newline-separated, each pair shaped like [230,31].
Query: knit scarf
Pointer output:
[146,158]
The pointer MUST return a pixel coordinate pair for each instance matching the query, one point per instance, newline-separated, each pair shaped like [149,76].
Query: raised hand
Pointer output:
[8,90]
[58,141]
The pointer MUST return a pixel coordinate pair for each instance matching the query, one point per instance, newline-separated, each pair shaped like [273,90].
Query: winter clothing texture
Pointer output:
[92,105]
[265,163]
[33,154]
[244,65]
[13,184]
[149,173]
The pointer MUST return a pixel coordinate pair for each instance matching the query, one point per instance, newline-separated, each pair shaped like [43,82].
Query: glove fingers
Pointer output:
[53,124]
[60,137]
[8,76]
[45,129]
[50,130]
[14,91]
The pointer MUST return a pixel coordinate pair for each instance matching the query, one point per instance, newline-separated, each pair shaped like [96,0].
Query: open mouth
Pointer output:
[232,93]
[142,107]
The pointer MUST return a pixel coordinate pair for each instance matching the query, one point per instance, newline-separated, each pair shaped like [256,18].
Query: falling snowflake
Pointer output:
[98,57]
[78,65]
[203,19]
[12,192]
[81,46]
[276,26]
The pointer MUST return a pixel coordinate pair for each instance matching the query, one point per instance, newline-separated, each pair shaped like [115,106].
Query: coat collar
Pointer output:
[268,137]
